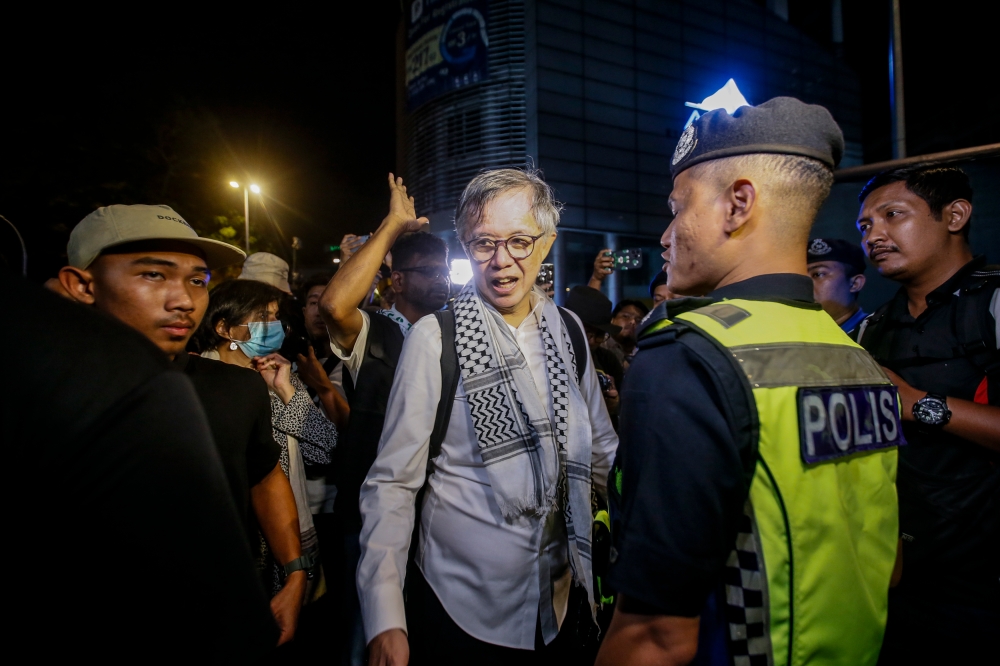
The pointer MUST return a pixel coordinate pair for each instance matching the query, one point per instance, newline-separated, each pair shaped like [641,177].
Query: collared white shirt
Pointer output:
[352,358]
[495,578]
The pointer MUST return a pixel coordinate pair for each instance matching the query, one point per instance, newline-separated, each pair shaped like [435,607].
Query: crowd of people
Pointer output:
[399,470]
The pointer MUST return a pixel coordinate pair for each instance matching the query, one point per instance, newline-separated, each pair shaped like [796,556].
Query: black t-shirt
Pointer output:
[238,408]
[125,543]
[949,488]
[683,464]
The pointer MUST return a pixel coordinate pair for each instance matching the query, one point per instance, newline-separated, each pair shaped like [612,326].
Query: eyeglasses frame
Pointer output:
[503,241]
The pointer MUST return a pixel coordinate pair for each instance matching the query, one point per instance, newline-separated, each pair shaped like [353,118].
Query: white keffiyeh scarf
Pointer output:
[535,463]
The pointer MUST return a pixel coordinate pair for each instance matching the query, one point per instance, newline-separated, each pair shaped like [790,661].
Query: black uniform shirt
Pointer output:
[932,335]
[949,488]
[684,466]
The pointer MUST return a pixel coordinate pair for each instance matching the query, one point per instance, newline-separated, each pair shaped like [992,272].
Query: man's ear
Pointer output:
[396,279]
[740,199]
[957,215]
[78,283]
[857,283]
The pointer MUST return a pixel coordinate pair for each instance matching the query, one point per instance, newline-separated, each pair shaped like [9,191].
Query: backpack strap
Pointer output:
[876,342]
[579,341]
[450,372]
[973,325]
[449,382]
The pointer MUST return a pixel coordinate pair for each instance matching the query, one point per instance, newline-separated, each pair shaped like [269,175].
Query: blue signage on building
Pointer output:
[446,47]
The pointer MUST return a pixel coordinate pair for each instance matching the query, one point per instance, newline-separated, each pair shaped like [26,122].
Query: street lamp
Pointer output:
[246,210]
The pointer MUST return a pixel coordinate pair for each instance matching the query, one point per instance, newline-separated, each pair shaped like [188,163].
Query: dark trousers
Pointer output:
[933,631]
[435,638]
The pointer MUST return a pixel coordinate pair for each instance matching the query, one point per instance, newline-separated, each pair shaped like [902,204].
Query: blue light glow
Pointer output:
[728,97]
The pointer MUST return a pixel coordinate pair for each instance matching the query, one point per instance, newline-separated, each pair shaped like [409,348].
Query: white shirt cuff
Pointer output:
[382,609]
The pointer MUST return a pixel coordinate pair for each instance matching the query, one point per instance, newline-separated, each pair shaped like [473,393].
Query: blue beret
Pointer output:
[781,125]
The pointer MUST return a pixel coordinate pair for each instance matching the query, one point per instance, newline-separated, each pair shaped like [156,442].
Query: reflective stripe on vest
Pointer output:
[809,576]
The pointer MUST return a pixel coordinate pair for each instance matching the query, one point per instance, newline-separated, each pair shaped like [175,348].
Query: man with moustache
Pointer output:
[756,526]
[145,266]
[937,339]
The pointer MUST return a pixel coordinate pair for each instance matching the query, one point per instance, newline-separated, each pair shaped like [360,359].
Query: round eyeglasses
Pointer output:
[518,247]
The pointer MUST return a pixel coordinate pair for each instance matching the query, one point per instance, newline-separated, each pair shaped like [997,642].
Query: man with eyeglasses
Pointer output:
[497,413]
[369,345]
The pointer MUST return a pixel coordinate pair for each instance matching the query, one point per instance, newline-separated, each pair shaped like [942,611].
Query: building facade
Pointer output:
[593,93]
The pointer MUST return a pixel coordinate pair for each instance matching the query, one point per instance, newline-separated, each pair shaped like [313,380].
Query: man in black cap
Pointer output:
[594,310]
[837,269]
[754,529]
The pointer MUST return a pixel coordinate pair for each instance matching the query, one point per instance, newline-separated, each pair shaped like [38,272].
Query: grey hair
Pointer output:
[489,185]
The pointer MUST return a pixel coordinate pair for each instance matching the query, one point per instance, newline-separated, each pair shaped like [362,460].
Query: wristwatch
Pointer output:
[304,563]
[932,410]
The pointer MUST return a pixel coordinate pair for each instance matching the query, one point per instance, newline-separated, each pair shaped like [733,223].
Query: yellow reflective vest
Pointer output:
[808,579]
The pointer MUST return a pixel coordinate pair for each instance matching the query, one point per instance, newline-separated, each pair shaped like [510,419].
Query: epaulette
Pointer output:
[663,314]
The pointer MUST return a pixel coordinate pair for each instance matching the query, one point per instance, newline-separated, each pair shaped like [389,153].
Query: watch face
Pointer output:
[931,411]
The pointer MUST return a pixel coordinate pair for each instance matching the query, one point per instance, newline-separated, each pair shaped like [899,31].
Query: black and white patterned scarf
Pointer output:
[535,463]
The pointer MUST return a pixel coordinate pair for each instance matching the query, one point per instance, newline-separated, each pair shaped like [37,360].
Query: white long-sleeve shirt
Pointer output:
[493,577]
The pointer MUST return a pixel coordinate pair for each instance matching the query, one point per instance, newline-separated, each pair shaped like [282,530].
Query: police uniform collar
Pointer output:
[781,287]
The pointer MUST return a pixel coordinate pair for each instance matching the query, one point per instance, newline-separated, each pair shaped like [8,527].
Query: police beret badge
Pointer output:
[687,142]
[819,246]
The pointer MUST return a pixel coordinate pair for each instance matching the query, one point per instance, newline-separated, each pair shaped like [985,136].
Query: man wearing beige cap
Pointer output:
[145,266]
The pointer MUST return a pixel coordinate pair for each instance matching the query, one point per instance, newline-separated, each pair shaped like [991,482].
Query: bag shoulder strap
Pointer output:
[876,342]
[449,382]
[972,323]
[579,341]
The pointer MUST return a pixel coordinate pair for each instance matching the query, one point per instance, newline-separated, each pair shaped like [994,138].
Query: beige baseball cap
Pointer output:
[267,267]
[119,224]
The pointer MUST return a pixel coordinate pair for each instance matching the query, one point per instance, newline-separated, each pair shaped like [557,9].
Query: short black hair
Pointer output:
[419,243]
[639,305]
[235,302]
[937,185]
[320,279]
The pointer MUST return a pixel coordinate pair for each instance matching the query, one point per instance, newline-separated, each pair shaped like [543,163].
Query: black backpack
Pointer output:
[972,325]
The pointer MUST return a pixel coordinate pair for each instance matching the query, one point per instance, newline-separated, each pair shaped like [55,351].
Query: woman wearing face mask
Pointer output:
[241,327]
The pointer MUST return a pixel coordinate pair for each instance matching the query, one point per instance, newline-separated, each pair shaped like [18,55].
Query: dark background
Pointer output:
[116,109]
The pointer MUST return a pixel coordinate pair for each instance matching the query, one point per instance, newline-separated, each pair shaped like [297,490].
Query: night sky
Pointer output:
[107,109]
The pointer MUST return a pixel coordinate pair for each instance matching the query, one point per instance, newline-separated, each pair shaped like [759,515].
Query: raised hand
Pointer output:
[401,208]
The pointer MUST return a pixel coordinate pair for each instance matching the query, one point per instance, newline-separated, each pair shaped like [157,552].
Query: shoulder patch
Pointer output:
[724,313]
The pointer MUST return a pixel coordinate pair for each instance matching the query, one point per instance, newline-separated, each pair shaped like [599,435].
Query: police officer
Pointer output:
[758,444]
[939,334]
[837,269]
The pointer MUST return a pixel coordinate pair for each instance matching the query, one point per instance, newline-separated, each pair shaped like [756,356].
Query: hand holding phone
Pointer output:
[625,260]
